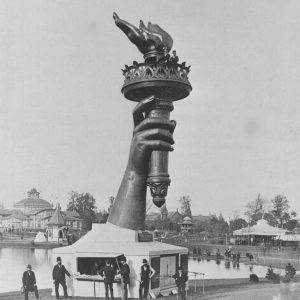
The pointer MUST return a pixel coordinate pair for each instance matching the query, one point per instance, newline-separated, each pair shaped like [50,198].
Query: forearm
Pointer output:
[129,208]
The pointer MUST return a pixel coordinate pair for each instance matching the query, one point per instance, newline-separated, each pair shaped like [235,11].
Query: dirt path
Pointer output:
[215,289]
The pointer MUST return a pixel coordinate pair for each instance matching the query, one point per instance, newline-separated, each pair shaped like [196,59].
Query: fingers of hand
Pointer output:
[150,123]
[140,108]
[157,134]
[155,145]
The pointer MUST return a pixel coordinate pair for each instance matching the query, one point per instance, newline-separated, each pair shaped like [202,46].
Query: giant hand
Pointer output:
[149,134]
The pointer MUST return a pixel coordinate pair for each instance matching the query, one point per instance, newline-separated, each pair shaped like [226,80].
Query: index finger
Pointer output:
[140,108]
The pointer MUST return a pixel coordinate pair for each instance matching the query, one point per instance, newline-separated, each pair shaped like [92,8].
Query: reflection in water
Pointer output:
[228,269]
[227,264]
[13,263]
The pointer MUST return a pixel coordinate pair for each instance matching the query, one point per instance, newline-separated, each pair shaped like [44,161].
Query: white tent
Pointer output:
[289,237]
[261,228]
[110,241]
[40,237]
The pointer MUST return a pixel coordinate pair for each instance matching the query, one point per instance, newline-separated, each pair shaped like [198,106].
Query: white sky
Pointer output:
[64,124]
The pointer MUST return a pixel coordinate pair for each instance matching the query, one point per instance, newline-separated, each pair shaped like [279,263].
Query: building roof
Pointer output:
[57,218]
[261,228]
[5,212]
[175,214]
[152,216]
[17,214]
[33,201]
[38,210]
[71,214]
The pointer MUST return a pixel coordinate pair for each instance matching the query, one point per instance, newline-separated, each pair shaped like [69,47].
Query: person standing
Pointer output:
[146,273]
[109,275]
[29,283]
[59,277]
[125,279]
[180,280]
[95,270]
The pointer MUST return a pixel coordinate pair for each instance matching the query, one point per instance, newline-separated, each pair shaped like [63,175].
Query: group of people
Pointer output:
[108,273]
[235,256]
[59,278]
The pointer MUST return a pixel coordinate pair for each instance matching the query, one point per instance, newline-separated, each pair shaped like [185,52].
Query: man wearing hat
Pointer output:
[146,273]
[180,280]
[59,277]
[108,274]
[125,280]
[29,283]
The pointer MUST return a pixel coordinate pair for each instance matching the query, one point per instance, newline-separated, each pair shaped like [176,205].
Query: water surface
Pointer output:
[13,263]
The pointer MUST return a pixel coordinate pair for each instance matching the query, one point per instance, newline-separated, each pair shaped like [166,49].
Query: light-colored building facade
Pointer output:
[34,213]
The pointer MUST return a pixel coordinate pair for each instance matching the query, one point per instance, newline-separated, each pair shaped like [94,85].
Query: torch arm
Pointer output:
[129,207]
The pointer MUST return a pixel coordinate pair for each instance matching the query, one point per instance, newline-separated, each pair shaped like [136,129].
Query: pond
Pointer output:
[225,269]
[14,260]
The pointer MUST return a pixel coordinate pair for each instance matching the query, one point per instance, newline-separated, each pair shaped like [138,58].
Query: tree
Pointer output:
[185,206]
[102,216]
[85,205]
[237,223]
[269,217]
[164,216]
[111,201]
[280,210]
[255,209]
[292,223]
[217,226]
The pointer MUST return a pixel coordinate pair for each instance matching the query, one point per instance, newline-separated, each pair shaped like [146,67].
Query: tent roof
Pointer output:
[261,228]
[289,237]
[108,239]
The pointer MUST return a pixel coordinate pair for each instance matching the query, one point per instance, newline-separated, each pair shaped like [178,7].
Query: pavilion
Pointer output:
[186,225]
[260,233]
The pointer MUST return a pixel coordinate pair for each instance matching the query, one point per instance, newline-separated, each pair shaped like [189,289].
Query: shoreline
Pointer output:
[26,243]
[214,289]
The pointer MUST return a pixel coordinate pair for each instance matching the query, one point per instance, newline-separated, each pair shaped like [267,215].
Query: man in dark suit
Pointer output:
[125,279]
[59,277]
[180,280]
[145,275]
[108,274]
[29,283]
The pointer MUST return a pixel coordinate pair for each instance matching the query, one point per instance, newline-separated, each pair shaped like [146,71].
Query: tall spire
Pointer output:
[57,218]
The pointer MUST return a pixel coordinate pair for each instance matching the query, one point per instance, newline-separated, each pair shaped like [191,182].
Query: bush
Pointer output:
[254,278]
[290,272]
[272,276]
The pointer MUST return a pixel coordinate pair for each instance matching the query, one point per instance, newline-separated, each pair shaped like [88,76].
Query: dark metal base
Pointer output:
[163,89]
